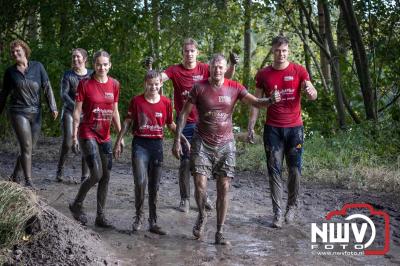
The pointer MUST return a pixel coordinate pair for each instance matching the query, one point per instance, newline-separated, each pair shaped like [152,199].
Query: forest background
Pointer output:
[350,48]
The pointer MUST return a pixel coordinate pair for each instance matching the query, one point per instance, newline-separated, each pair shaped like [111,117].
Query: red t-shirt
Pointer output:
[215,109]
[183,80]
[97,107]
[149,119]
[286,113]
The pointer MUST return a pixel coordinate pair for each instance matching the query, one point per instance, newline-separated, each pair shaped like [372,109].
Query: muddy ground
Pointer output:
[248,225]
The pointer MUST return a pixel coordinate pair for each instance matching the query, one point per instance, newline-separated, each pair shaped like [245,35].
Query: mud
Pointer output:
[57,240]
[248,225]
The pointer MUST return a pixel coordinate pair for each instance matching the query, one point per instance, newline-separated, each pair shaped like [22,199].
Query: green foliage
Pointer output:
[127,30]
[368,144]
[366,156]
[250,157]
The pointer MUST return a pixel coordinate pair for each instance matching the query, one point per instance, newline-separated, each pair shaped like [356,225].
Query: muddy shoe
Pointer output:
[290,215]
[209,205]
[277,221]
[220,239]
[15,179]
[77,212]
[184,206]
[60,175]
[156,229]
[198,228]
[29,184]
[137,224]
[101,221]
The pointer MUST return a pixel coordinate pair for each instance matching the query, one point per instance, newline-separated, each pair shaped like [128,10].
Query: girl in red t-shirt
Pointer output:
[148,114]
[97,100]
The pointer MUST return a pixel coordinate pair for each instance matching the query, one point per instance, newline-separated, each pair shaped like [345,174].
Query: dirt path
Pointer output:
[248,226]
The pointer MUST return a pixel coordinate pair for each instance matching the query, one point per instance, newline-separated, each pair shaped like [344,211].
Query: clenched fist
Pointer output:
[233,58]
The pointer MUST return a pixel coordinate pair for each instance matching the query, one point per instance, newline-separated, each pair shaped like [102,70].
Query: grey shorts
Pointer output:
[210,161]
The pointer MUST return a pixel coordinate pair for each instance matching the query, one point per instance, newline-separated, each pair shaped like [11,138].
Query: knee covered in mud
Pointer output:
[90,160]
[294,155]
[109,161]
[106,149]
[157,163]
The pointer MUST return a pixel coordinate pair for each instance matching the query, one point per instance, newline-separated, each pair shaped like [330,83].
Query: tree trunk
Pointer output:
[247,43]
[47,21]
[334,64]
[33,24]
[307,57]
[156,29]
[360,58]
[220,32]
[321,28]
[305,43]
[149,37]
[342,41]
[64,23]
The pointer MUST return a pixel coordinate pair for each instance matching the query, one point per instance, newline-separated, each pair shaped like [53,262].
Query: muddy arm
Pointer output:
[65,88]
[177,148]
[118,146]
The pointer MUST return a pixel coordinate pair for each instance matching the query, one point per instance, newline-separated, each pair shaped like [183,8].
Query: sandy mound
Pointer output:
[57,240]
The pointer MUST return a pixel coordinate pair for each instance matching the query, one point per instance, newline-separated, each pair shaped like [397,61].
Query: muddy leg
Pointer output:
[90,151]
[23,131]
[184,167]
[154,183]
[66,143]
[17,172]
[85,170]
[294,177]
[222,201]
[200,192]
[184,179]
[106,162]
[293,155]
[140,162]
[274,150]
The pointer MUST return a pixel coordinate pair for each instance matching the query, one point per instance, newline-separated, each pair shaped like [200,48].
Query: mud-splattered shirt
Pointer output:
[148,118]
[215,107]
[183,80]
[97,108]
[69,84]
[26,89]
[286,113]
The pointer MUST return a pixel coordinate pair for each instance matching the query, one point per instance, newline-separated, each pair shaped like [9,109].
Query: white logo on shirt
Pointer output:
[197,77]
[102,114]
[288,78]
[157,114]
[224,99]
[109,95]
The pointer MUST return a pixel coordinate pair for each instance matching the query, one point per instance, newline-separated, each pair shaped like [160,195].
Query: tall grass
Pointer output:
[17,206]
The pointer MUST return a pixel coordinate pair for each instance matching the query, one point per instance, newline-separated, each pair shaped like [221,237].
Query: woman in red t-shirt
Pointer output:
[97,100]
[148,113]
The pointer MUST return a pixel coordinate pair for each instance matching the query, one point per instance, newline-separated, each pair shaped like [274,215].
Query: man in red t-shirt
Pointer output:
[183,76]
[283,131]
[149,113]
[213,149]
